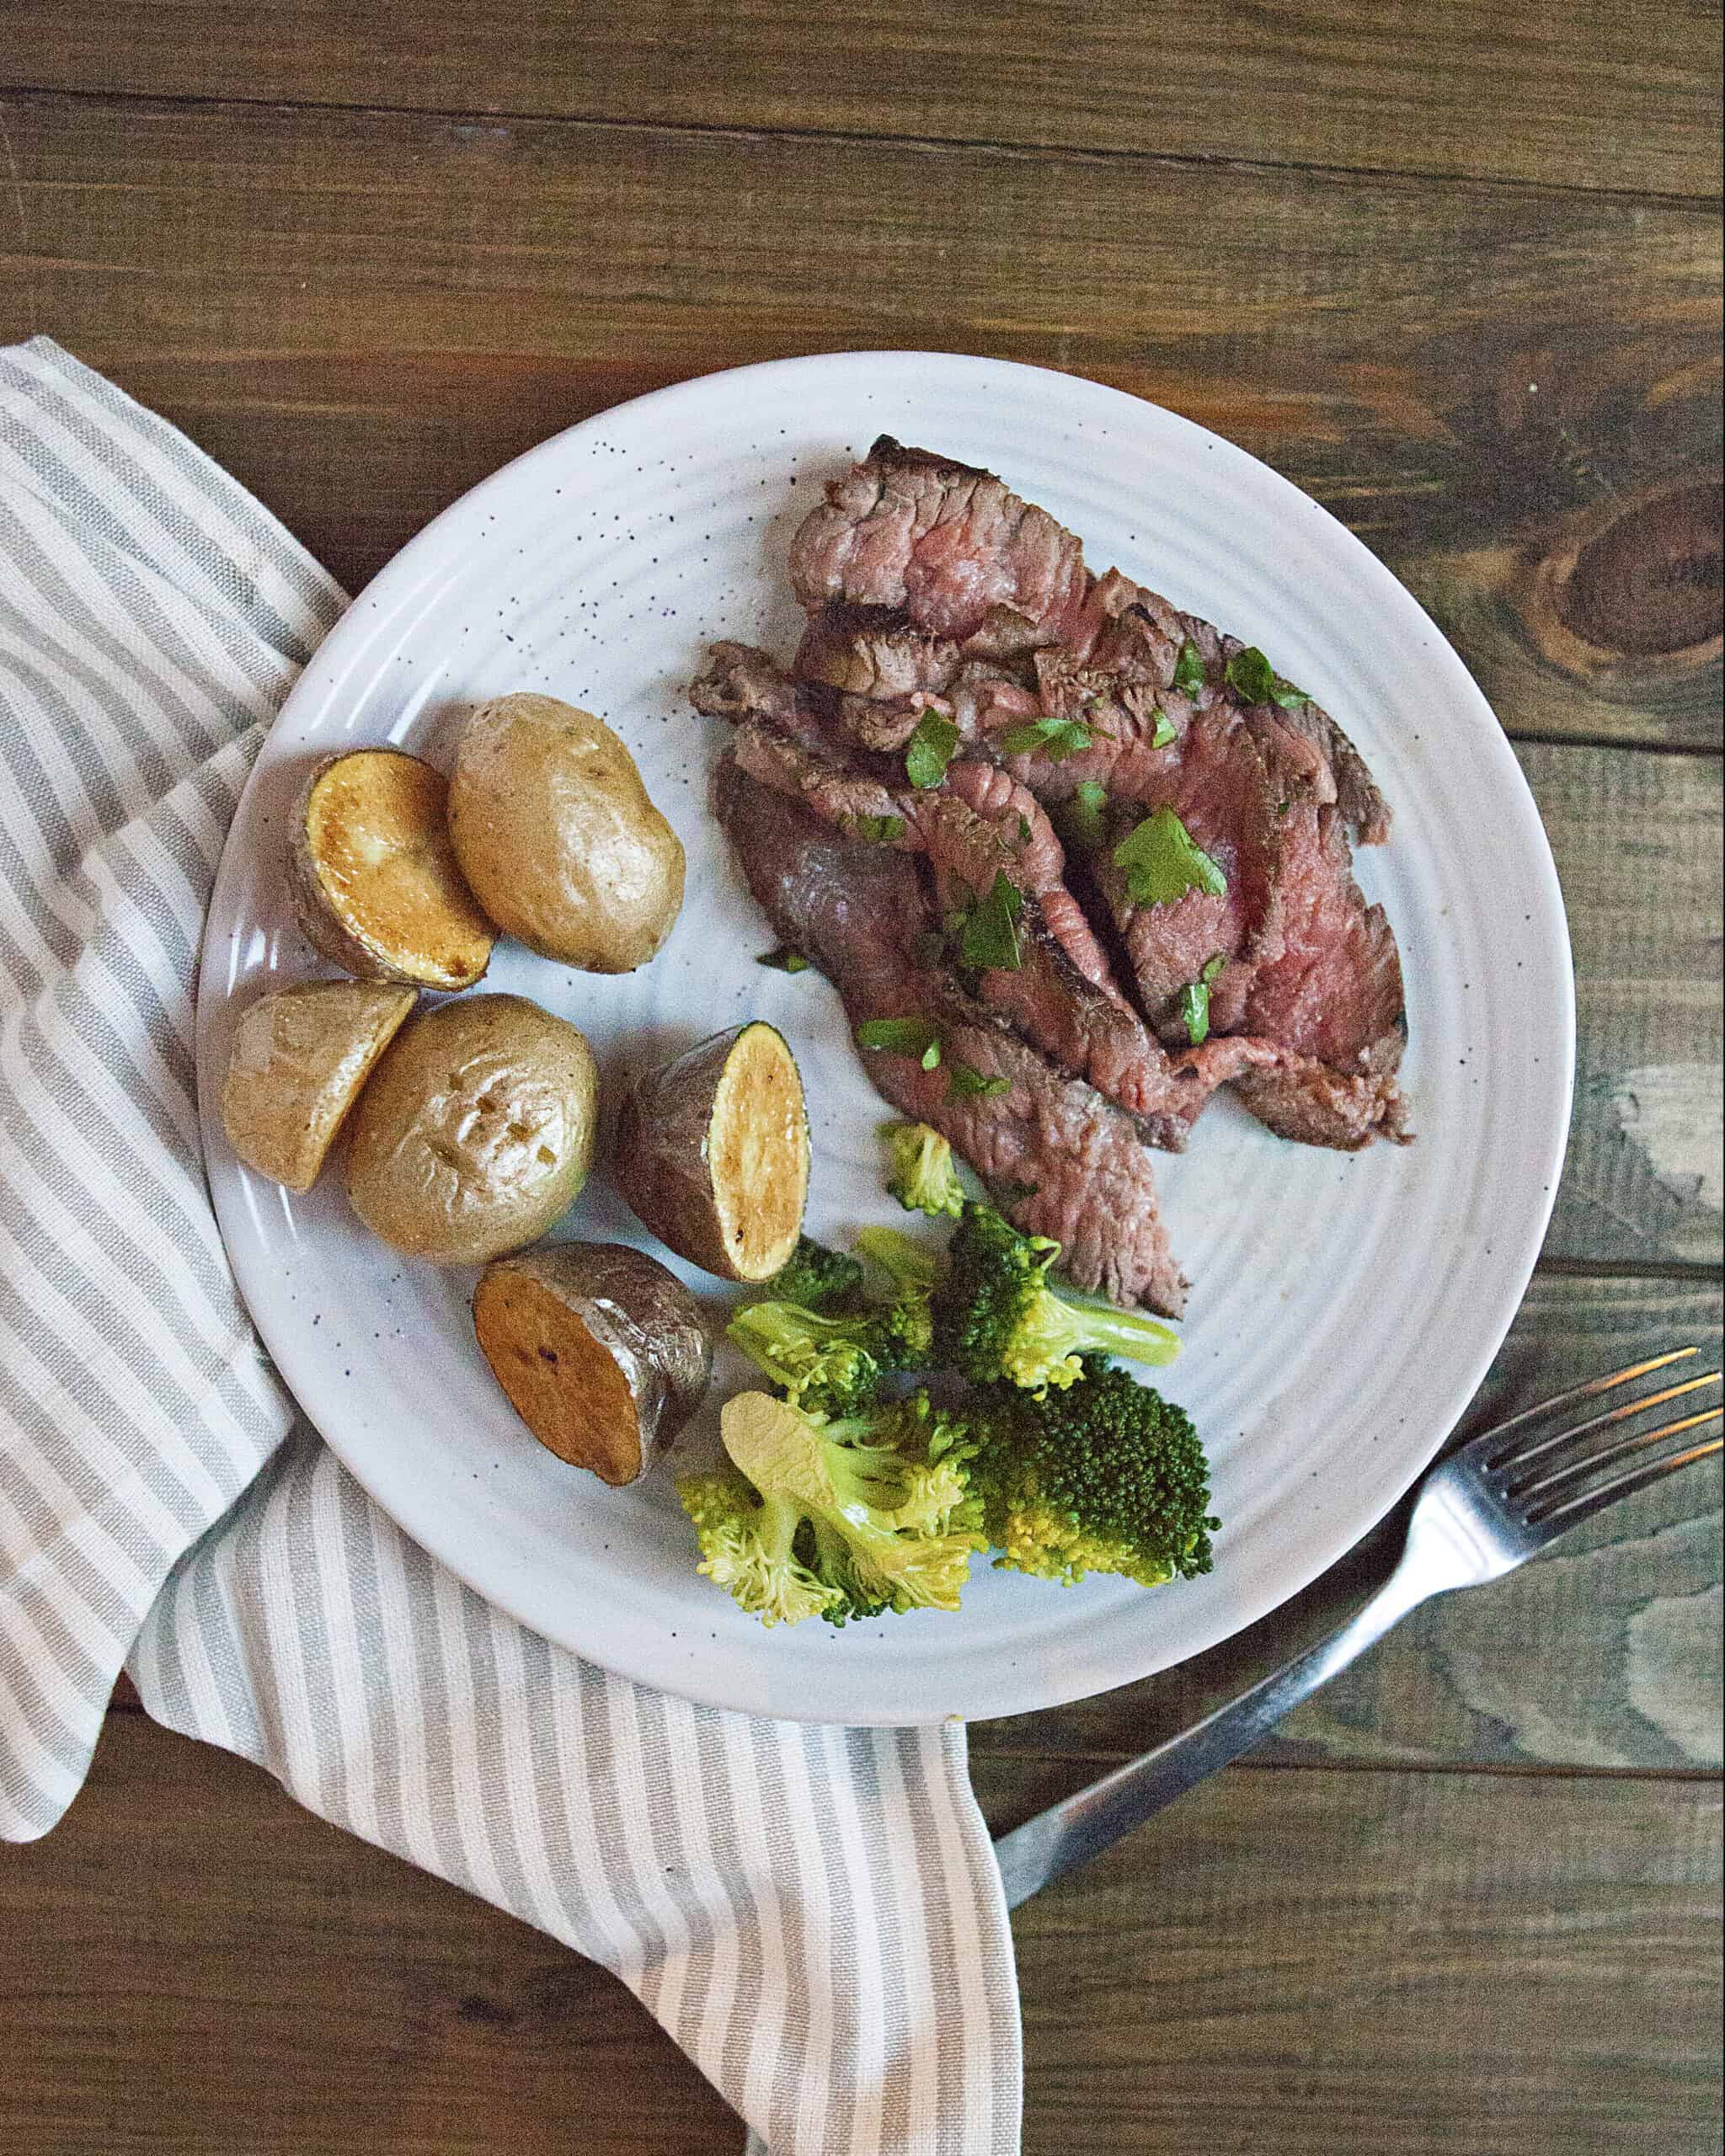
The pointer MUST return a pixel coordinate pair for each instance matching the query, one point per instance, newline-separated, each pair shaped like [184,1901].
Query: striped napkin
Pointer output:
[814,1912]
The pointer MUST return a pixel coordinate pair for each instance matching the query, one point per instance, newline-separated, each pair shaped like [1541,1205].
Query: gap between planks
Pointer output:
[1706,205]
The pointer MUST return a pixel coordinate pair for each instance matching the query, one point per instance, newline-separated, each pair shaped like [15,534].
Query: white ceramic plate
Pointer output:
[1344,1308]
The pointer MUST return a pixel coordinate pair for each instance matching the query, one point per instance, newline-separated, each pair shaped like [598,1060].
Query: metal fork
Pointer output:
[1485,1509]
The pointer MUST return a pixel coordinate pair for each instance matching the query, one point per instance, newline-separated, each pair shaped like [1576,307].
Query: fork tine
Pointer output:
[1573,1510]
[1517,1461]
[1589,1391]
[1543,1484]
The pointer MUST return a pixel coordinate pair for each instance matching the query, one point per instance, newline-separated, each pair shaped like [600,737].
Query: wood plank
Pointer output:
[1412,1963]
[1407,1964]
[1637,839]
[1603,1652]
[193,1963]
[1582,93]
[1512,397]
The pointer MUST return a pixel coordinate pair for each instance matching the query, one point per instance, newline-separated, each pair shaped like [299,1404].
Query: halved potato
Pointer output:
[712,1153]
[299,1059]
[476,1133]
[602,1351]
[374,882]
[555,833]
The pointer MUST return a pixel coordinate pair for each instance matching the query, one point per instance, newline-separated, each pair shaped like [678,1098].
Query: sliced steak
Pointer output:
[883,671]
[965,557]
[979,825]
[1058,1158]
[951,543]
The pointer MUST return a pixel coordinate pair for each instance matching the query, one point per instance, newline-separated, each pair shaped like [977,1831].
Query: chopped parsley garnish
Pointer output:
[784,961]
[989,939]
[1055,738]
[878,830]
[930,749]
[1188,670]
[1080,820]
[1259,682]
[1164,731]
[1163,863]
[1195,1001]
[962,1081]
[912,1037]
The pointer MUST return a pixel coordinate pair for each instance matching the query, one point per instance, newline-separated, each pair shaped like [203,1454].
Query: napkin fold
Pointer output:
[814,1912]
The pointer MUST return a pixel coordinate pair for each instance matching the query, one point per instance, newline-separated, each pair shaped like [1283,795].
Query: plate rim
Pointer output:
[405,575]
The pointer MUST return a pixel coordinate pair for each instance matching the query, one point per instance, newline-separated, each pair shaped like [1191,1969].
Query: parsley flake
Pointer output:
[989,940]
[878,830]
[1080,820]
[930,749]
[1259,682]
[962,1082]
[1057,739]
[784,961]
[1163,863]
[1164,731]
[1195,1001]
[1188,670]
[912,1037]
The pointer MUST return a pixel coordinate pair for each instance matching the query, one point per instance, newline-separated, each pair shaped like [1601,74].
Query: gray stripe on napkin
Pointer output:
[814,1913]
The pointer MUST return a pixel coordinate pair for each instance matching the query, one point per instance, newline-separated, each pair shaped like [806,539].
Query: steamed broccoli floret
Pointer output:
[817,1277]
[996,1316]
[1105,1477]
[923,1179]
[838,1519]
[834,1365]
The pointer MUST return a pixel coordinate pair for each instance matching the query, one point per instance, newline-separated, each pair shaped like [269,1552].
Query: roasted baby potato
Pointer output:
[476,1131]
[602,1351]
[553,830]
[712,1153]
[374,878]
[299,1059]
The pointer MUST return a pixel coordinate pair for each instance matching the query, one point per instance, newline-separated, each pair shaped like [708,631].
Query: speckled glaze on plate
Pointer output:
[1343,1310]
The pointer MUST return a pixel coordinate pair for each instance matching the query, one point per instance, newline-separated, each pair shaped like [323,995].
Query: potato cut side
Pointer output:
[376,882]
[565,1386]
[298,1061]
[712,1153]
[602,1351]
[758,1148]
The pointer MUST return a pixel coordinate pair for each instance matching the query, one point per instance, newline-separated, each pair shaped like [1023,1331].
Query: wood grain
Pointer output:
[1637,839]
[1579,93]
[1512,395]
[1605,1652]
[1405,1962]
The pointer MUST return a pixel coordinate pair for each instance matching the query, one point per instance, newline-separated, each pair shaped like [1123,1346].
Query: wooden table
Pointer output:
[1453,268]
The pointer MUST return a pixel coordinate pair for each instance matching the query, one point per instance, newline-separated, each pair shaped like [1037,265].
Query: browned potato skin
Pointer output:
[642,1317]
[555,833]
[443,1161]
[322,925]
[299,1059]
[661,1162]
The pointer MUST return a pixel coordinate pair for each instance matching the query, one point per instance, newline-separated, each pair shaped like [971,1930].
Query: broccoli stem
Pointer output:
[1100,1329]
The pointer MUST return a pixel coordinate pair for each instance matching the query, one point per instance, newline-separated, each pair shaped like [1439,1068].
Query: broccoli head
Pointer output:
[833,1365]
[923,1178]
[817,1279]
[838,1519]
[1106,1476]
[996,1317]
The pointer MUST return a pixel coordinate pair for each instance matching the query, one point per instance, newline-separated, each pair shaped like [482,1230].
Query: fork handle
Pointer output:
[1083,1825]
